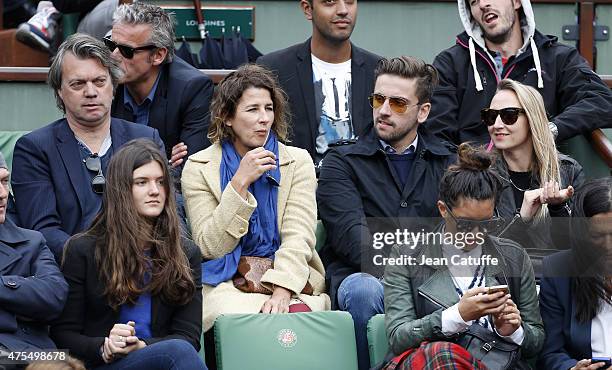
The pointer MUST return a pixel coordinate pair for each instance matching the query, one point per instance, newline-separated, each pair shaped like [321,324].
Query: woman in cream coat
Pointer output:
[248,194]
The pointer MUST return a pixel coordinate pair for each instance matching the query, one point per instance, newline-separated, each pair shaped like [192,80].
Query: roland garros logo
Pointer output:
[287,338]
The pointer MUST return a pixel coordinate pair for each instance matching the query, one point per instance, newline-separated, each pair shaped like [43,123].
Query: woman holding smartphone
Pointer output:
[576,290]
[134,299]
[428,305]
[538,180]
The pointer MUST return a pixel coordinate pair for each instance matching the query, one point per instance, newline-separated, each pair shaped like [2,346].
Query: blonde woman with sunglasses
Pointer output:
[538,180]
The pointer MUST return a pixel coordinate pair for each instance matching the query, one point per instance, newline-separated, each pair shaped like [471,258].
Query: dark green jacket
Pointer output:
[415,296]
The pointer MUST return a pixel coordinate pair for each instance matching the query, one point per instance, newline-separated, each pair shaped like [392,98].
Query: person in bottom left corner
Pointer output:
[135,298]
[32,289]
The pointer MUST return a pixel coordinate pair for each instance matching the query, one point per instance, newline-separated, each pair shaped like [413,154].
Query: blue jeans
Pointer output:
[172,354]
[362,296]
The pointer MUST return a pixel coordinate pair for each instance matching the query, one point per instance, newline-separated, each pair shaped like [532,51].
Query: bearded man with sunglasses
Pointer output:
[392,171]
[501,42]
[159,89]
[58,170]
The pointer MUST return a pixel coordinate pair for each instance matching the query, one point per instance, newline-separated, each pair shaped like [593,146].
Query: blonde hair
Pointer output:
[228,94]
[545,162]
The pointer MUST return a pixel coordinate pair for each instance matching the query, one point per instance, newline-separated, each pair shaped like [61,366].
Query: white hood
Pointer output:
[475,36]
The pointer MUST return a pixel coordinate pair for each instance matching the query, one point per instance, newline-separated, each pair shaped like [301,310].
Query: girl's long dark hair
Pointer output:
[589,286]
[122,234]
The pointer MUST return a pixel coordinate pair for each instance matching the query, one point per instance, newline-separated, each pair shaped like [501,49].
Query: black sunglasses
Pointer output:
[489,226]
[127,51]
[94,164]
[507,115]
[397,104]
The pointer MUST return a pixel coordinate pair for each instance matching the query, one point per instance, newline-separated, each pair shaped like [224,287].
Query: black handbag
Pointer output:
[489,348]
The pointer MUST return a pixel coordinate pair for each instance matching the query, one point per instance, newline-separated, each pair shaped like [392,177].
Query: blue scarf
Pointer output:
[262,239]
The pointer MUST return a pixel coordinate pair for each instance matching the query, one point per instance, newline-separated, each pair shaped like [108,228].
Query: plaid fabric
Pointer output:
[435,356]
[299,307]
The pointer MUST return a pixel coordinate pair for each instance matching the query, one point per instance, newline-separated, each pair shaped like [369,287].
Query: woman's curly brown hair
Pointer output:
[228,94]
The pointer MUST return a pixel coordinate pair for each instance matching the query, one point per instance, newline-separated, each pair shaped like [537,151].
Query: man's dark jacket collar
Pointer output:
[304,53]
[10,234]
[69,151]
[369,144]
[158,104]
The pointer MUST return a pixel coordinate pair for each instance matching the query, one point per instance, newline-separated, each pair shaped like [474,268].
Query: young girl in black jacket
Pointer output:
[135,293]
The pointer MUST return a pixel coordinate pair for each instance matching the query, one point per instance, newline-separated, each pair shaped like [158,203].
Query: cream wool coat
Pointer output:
[218,221]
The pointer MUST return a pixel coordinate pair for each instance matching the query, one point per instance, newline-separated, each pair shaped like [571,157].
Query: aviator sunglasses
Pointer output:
[127,51]
[509,116]
[94,164]
[397,104]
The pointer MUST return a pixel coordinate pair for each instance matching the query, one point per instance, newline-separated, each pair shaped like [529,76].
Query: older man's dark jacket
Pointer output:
[52,185]
[32,289]
[357,182]
[180,107]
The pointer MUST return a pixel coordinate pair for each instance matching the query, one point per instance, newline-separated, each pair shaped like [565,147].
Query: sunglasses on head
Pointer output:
[397,104]
[489,226]
[509,116]
[94,164]
[127,51]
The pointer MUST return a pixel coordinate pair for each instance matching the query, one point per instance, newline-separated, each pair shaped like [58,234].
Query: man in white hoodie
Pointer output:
[501,41]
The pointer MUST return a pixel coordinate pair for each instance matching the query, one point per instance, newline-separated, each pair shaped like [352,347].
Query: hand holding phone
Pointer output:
[498,288]
[606,360]
[601,363]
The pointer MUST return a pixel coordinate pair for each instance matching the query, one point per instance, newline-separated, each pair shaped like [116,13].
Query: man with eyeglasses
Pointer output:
[392,171]
[501,41]
[58,170]
[159,89]
[327,78]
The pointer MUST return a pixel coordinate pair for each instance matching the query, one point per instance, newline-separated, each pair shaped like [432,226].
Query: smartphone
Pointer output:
[498,288]
[605,360]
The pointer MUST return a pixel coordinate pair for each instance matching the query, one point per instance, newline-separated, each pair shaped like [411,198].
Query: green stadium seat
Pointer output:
[320,235]
[296,341]
[7,144]
[378,345]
